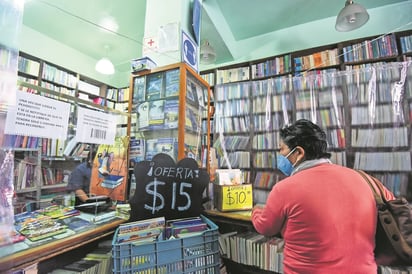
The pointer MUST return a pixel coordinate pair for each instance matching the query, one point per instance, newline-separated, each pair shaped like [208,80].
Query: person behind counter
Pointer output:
[79,180]
[325,212]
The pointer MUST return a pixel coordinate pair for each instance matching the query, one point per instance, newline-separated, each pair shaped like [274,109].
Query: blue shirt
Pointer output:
[80,178]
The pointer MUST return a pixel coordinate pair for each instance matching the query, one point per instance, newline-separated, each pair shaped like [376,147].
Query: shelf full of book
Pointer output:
[27,178]
[361,97]
[168,104]
[58,156]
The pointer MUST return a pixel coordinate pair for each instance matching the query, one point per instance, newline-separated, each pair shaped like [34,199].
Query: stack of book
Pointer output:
[186,227]
[142,231]
[96,262]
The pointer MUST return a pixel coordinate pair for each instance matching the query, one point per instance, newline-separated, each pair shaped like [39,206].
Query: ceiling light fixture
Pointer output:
[351,17]
[104,65]
[207,53]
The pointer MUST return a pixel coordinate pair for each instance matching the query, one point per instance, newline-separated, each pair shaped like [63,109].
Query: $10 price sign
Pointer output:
[233,197]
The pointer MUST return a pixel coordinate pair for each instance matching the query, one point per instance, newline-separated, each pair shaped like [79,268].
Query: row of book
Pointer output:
[232,75]
[371,49]
[98,261]
[338,157]
[35,226]
[232,124]
[264,159]
[26,174]
[406,44]
[272,103]
[236,159]
[118,95]
[28,66]
[20,141]
[59,89]
[209,78]
[49,147]
[232,108]
[158,229]
[380,137]
[367,50]
[316,60]
[398,184]
[278,65]
[251,248]
[231,143]
[269,121]
[260,195]
[267,140]
[232,91]
[377,161]
[265,179]
[167,84]
[53,74]
[145,149]
[361,115]
[156,86]
[53,176]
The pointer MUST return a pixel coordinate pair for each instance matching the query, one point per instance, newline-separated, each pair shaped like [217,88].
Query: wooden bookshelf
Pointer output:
[329,86]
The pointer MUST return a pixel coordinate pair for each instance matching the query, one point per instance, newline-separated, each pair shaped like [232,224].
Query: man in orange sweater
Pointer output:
[326,213]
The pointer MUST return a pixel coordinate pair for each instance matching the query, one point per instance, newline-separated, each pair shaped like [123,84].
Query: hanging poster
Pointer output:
[110,169]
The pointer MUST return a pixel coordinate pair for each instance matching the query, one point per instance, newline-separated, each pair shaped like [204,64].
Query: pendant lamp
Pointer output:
[207,53]
[104,65]
[351,17]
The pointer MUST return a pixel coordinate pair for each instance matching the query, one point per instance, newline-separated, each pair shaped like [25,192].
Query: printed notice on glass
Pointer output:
[38,116]
[95,127]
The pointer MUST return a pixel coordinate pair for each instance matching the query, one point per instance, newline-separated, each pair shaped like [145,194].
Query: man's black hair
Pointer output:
[307,135]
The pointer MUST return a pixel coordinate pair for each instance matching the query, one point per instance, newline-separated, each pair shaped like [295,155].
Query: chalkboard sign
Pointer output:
[164,188]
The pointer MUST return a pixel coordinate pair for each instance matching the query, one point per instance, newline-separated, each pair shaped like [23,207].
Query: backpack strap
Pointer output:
[379,197]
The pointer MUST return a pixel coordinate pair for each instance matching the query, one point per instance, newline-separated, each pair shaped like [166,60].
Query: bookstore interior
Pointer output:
[175,119]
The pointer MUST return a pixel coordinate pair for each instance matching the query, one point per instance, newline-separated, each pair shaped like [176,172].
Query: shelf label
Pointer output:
[38,116]
[95,127]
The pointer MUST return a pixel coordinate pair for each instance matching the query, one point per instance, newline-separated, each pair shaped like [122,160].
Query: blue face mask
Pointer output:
[284,165]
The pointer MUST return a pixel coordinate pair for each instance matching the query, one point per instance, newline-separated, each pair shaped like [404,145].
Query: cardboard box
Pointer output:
[144,63]
[233,197]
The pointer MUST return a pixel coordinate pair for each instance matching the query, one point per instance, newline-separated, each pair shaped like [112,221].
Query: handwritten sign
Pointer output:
[233,197]
[164,188]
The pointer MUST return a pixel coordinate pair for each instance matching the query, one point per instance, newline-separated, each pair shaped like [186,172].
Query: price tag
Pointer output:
[168,189]
[236,197]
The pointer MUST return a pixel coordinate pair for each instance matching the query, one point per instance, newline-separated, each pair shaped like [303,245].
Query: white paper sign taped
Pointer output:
[95,127]
[38,116]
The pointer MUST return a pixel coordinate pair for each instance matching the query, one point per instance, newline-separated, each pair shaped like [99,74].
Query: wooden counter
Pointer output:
[32,255]
[229,221]
[244,215]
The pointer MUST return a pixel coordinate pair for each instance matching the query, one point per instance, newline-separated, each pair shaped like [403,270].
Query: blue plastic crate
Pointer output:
[192,254]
